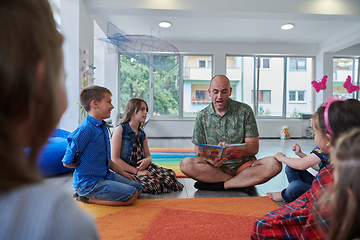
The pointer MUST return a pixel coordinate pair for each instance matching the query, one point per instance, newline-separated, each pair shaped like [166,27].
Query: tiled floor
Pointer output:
[267,147]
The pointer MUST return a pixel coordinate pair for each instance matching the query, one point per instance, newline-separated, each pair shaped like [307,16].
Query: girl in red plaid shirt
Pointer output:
[344,200]
[297,220]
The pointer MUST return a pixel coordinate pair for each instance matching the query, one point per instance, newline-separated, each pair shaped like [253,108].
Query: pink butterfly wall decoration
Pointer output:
[320,85]
[349,86]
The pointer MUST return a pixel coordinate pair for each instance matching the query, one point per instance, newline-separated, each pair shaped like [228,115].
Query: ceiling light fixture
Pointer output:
[165,24]
[287,26]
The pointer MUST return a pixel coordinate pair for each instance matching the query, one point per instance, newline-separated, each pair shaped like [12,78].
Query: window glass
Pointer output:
[292,96]
[292,64]
[266,63]
[134,80]
[240,71]
[299,83]
[342,68]
[166,88]
[196,80]
[301,64]
[273,81]
[301,96]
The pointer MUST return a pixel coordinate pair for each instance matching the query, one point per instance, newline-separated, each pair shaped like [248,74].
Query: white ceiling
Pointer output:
[248,21]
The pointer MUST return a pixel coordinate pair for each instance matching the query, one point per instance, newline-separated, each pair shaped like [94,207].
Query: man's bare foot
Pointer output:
[276,196]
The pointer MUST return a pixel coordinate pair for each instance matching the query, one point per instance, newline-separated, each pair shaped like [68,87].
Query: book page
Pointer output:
[210,151]
[233,151]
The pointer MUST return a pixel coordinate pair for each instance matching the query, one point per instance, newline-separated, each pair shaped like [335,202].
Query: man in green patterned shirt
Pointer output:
[223,122]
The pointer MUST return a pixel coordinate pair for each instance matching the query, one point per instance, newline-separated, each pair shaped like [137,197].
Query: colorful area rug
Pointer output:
[190,218]
[171,157]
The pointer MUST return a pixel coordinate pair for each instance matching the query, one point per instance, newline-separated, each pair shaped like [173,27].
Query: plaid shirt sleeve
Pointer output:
[296,220]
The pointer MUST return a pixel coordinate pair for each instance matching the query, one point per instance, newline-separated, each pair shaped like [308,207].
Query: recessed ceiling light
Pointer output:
[287,26]
[165,24]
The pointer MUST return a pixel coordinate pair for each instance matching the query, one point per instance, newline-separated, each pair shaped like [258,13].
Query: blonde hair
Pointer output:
[91,93]
[345,193]
[28,37]
[133,105]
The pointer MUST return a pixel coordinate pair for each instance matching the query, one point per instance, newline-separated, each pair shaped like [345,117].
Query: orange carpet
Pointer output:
[171,158]
[194,218]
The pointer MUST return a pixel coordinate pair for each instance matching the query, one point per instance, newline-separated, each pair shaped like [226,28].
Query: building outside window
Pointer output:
[197,73]
[300,92]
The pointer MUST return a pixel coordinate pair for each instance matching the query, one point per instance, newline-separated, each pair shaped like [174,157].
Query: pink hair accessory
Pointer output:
[326,104]
[320,85]
[349,86]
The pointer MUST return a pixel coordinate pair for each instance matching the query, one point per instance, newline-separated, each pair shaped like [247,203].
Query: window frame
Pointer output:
[256,71]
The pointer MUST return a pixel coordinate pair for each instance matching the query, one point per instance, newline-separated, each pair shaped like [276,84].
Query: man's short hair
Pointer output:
[90,93]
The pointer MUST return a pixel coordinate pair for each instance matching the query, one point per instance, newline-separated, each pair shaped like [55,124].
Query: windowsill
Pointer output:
[200,101]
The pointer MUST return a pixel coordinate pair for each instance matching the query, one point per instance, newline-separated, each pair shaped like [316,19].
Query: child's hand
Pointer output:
[144,163]
[279,155]
[297,149]
[143,172]
[130,176]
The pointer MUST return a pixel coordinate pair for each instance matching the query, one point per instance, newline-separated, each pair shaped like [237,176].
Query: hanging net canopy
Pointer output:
[146,49]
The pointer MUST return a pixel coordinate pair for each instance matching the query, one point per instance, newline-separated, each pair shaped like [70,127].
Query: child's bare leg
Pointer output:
[276,196]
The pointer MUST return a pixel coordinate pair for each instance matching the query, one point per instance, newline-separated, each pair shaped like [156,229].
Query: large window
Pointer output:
[342,68]
[264,88]
[159,88]
[275,89]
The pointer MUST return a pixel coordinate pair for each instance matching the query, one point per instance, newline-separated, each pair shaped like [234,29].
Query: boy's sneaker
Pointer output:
[80,198]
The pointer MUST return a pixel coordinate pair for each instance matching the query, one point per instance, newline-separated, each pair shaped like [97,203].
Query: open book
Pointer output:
[231,151]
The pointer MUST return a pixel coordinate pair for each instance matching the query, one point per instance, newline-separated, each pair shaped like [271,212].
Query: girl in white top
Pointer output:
[33,98]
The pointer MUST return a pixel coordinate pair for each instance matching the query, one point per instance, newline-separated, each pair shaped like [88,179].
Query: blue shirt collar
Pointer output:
[94,121]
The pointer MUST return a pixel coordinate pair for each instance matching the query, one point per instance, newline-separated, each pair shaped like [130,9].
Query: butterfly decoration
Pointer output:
[349,86]
[320,85]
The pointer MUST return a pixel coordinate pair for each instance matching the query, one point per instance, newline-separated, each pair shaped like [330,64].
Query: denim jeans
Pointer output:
[120,189]
[299,182]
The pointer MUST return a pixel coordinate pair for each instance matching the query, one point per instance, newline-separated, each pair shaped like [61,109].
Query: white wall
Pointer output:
[70,25]
[78,31]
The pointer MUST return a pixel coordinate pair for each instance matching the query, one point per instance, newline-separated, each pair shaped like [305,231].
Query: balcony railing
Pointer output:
[196,73]
[200,101]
